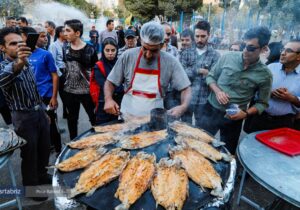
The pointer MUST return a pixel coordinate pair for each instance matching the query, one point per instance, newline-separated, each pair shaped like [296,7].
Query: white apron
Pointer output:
[144,92]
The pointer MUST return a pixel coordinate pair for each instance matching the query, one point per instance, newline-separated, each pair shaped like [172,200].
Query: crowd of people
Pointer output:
[135,70]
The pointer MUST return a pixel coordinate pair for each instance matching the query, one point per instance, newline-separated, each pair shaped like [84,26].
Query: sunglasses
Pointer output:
[250,48]
[288,50]
[168,34]
[202,36]
[151,50]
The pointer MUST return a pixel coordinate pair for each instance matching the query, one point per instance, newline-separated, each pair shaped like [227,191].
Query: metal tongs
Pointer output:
[120,116]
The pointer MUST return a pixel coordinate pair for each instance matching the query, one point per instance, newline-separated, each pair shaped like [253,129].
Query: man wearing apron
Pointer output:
[146,73]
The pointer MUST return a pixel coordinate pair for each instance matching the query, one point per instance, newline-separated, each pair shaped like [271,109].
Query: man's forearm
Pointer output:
[55,84]
[108,90]
[214,87]
[186,95]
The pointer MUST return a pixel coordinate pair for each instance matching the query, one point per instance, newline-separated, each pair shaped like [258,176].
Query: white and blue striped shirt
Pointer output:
[281,79]
[20,89]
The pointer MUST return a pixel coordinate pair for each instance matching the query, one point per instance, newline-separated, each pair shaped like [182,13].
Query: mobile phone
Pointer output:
[31,40]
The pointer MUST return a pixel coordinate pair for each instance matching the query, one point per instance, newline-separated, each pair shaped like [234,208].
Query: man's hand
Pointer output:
[53,103]
[177,111]
[238,116]
[23,52]
[111,107]
[204,72]
[283,94]
[222,97]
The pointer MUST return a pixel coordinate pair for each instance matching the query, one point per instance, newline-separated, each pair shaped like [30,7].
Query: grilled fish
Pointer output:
[203,148]
[135,179]
[142,140]
[131,123]
[170,185]
[198,168]
[188,131]
[80,160]
[110,128]
[101,172]
[96,140]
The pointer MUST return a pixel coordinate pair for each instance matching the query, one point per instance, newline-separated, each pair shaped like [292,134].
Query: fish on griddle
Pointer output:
[135,179]
[81,159]
[170,185]
[130,123]
[199,169]
[188,131]
[143,139]
[96,140]
[203,148]
[101,172]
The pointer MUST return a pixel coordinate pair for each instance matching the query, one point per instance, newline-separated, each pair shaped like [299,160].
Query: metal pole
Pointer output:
[223,19]
[181,22]
[209,11]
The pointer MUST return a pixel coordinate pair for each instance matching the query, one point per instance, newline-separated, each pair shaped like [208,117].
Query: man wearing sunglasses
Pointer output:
[235,79]
[146,73]
[284,103]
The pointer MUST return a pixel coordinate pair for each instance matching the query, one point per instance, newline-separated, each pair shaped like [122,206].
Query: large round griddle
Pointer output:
[103,198]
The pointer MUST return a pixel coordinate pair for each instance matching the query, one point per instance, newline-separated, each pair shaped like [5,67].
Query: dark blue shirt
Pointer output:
[19,89]
[43,65]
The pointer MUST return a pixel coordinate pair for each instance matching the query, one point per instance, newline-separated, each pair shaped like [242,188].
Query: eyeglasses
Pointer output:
[168,34]
[250,48]
[202,36]
[288,50]
[151,50]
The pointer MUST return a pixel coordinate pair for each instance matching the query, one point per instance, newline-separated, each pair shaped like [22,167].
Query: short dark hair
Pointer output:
[6,31]
[203,25]
[108,22]
[58,30]
[261,33]
[10,18]
[26,30]
[111,41]
[186,33]
[75,24]
[23,20]
[51,23]
[296,40]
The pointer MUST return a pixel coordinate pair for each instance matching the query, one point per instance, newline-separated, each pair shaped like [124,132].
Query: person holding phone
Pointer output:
[29,119]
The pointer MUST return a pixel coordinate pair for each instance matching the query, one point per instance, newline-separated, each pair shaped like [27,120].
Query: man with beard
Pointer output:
[207,56]
[235,79]
[146,73]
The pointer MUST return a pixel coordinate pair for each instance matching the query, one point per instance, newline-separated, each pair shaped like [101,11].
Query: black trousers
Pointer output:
[265,121]
[34,127]
[195,110]
[73,102]
[62,80]
[213,120]
[5,112]
[55,137]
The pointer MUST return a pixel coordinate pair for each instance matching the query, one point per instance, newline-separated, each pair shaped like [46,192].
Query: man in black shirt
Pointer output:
[29,118]
[79,58]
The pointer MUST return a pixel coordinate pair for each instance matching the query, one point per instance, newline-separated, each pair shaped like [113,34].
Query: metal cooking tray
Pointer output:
[103,198]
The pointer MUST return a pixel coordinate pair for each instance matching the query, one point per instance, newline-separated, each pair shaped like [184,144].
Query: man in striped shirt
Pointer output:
[29,118]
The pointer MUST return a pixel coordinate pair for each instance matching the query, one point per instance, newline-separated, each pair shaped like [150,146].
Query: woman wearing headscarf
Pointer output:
[98,77]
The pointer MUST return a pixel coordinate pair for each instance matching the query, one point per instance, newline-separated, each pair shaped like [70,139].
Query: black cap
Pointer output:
[129,33]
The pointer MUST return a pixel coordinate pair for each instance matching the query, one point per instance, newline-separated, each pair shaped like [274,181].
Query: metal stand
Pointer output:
[17,200]
[244,198]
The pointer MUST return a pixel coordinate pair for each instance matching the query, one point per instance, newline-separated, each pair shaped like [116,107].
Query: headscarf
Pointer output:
[109,64]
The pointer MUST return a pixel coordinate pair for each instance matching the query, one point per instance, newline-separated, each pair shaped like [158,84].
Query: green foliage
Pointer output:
[10,8]
[121,11]
[146,10]
[88,8]
[108,13]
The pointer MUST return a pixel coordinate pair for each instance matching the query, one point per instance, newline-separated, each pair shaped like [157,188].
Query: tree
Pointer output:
[144,10]
[10,8]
